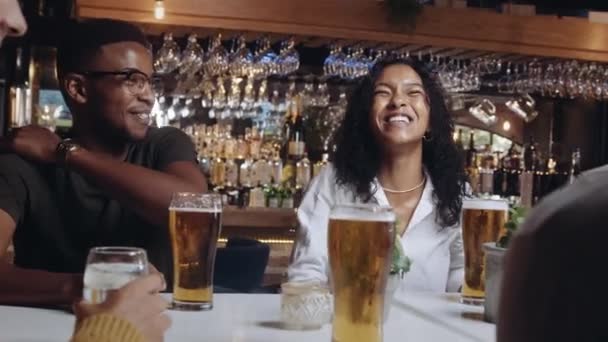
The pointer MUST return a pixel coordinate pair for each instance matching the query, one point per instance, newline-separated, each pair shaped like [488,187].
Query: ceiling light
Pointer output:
[159,9]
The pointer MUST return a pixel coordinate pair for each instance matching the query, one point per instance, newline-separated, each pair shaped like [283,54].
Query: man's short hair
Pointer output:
[82,39]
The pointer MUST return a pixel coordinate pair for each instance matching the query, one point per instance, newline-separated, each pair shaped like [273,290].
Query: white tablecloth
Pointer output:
[254,317]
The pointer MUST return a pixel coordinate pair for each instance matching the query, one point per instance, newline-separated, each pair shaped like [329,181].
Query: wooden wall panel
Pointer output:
[366,20]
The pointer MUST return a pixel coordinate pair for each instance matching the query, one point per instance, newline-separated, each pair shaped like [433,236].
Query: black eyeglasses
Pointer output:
[135,80]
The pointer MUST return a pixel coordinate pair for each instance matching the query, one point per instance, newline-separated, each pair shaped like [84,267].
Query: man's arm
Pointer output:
[23,286]
[145,191]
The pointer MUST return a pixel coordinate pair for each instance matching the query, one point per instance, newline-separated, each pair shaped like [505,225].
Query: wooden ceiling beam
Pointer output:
[366,20]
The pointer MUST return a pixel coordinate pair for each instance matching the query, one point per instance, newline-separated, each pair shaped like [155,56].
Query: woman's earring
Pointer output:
[427,136]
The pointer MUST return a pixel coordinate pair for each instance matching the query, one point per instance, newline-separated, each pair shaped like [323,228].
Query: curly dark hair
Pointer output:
[357,157]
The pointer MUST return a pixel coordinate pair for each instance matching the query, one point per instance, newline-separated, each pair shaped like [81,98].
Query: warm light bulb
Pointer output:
[159,9]
[506,126]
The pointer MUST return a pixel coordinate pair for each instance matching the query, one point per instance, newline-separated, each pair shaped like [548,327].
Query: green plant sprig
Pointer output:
[517,215]
[401,263]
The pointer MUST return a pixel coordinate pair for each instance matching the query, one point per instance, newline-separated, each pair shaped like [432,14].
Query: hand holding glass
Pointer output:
[110,268]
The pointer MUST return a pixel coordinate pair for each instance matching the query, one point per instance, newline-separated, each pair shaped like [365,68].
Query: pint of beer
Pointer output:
[195,221]
[483,221]
[360,242]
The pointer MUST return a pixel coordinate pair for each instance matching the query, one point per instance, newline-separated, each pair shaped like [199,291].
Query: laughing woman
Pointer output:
[394,147]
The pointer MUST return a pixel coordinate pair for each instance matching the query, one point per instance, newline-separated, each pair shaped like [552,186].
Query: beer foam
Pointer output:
[363,213]
[197,210]
[485,204]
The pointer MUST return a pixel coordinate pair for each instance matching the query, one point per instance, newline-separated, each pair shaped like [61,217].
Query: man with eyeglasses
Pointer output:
[109,183]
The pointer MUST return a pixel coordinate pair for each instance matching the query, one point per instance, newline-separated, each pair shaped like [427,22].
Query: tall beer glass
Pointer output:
[110,268]
[483,221]
[360,243]
[195,220]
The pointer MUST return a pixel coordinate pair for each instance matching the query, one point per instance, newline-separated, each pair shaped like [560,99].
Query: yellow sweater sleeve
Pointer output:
[106,328]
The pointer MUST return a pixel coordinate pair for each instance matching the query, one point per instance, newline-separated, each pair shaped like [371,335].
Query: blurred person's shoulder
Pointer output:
[13,163]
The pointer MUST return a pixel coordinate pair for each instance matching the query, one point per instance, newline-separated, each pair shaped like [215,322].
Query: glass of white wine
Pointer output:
[110,268]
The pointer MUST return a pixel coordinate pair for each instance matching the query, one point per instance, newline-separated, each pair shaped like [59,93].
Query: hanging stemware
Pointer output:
[241,60]
[217,61]
[192,57]
[168,56]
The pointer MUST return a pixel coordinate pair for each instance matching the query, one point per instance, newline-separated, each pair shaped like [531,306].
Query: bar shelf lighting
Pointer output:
[159,9]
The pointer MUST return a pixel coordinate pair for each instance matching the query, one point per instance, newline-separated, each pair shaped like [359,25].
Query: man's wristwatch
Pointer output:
[64,148]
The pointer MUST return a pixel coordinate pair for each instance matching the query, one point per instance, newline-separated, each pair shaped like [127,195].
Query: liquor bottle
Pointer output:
[499,177]
[242,149]
[296,145]
[218,171]
[257,197]
[217,141]
[277,168]
[245,183]
[471,154]
[229,143]
[255,143]
[245,173]
[232,173]
[472,166]
[531,156]
[512,165]
[261,171]
[303,172]
[575,166]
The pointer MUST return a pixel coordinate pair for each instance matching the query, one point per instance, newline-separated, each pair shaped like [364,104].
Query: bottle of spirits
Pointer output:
[242,149]
[218,172]
[531,156]
[471,155]
[303,172]
[512,166]
[499,176]
[255,143]
[232,173]
[229,143]
[245,183]
[257,197]
[277,168]
[296,144]
[472,166]
[575,166]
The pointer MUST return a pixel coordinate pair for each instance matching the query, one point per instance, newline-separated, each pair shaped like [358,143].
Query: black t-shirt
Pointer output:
[60,214]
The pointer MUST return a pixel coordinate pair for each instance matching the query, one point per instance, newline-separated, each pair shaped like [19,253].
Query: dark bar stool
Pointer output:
[240,266]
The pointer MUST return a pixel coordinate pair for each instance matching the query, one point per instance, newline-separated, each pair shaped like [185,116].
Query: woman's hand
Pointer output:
[137,302]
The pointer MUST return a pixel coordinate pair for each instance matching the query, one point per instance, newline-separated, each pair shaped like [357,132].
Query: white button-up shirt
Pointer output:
[436,252]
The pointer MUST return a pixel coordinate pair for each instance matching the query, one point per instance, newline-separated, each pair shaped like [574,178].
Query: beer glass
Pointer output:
[195,220]
[483,221]
[360,243]
[110,268]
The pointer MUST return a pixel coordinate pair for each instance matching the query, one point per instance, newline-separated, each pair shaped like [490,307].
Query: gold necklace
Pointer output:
[404,191]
